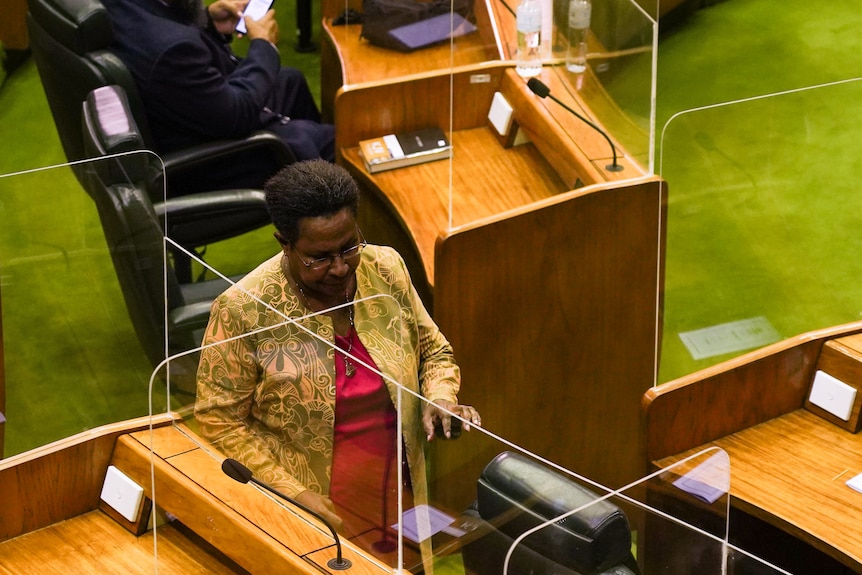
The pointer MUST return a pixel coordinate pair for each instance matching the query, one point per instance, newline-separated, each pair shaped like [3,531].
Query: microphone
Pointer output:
[541,90]
[239,472]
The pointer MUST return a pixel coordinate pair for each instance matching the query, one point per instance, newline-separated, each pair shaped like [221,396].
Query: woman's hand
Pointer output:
[321,505]
[433,414]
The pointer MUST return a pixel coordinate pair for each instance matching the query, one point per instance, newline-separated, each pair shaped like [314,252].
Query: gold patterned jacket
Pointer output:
[267,399]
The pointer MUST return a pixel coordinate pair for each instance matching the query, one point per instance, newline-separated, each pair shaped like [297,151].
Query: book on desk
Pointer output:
[404,149]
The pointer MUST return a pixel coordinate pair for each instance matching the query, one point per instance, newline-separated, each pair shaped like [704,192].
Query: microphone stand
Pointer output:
[238,472]
[542,91]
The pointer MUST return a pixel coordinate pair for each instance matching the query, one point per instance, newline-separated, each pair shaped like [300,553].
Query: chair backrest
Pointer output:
[117,184]
[516,494]
[69,40]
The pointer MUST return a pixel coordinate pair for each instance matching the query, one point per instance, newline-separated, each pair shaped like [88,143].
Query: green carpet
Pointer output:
[751,234]
[763,196]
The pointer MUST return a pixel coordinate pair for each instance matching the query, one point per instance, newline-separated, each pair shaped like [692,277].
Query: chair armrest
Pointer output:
[201,219]
[189,160]
[190,317]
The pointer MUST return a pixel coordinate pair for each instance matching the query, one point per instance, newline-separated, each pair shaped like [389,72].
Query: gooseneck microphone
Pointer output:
[541,90]
[239,472]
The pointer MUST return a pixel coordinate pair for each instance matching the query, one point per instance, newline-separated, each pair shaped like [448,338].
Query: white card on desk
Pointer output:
[855,483]
[833,395]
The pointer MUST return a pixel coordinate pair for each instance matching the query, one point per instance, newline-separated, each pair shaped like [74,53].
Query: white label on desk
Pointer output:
[855,483]
[729,337]
[709,480]
[423,521]
[833,395]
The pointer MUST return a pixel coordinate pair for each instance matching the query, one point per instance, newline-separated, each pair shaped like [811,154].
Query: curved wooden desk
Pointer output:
[50,499]
[788,465]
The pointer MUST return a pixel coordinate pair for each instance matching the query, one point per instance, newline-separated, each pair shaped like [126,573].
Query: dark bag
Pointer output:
[381,16]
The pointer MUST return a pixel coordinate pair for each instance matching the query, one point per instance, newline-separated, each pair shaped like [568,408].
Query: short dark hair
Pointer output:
[308,189]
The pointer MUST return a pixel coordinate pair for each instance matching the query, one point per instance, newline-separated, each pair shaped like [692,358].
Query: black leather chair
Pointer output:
[516,494]
[70,42]
[134,230]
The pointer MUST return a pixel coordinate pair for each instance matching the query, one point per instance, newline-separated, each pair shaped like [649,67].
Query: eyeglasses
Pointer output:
[347,256]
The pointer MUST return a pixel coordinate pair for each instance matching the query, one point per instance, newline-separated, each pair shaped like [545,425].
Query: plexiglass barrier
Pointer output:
[275,416]
[510,148]
[677,519]
[72,358]
[412,530]
[761,227]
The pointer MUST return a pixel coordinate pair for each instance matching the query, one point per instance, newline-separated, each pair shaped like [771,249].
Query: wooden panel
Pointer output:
[552,313]
[58,481]
[706,405]
[372,110]
[348,60]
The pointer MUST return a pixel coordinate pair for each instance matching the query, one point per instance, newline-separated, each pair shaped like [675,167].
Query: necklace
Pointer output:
[349,366]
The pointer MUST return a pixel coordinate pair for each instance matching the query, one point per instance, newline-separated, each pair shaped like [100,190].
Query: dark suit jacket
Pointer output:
[193,88]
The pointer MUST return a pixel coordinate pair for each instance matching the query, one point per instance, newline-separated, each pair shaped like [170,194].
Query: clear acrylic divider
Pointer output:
[472,503]
[495,508]
[272,422]
[617,76]
[587,119]
[760,191]
[66,329]
[674,520]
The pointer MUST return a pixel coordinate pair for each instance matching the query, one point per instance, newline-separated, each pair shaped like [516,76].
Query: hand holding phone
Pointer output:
[255,9]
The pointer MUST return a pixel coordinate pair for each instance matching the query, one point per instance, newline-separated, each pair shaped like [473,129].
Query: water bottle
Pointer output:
[529,23]
[579,23]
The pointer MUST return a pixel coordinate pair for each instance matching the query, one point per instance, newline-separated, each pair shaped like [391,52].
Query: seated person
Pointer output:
[195,90]
[302,415]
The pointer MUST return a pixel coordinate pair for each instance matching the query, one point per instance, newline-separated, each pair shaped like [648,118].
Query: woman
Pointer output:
[307,414]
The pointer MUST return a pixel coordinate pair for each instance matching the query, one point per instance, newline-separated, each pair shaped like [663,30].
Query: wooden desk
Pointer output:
[248,525]
[222,526]
[790,472]
[788,465]
[348,60]
[515,178]
[95,543]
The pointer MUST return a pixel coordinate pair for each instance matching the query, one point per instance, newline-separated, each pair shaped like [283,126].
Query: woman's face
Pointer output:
[320,238]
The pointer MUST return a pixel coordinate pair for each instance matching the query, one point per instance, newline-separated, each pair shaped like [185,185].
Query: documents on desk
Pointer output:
[405,149]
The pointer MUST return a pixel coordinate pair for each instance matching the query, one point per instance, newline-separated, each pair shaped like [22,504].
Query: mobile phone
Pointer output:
[454,429]
[256,9]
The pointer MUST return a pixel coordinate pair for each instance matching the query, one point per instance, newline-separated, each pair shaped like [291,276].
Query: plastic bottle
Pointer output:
[529,24]
[579,22]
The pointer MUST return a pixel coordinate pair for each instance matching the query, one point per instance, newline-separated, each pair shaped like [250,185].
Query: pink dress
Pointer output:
[364,481]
